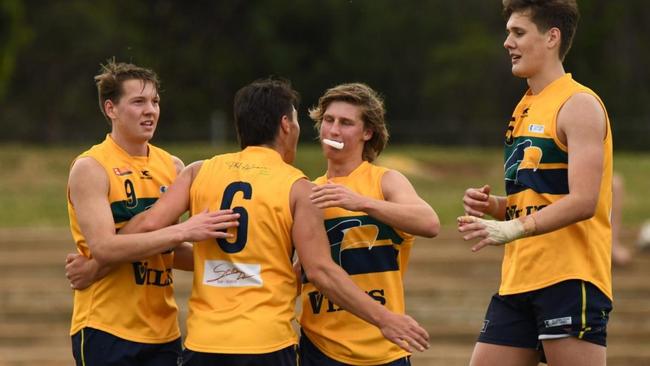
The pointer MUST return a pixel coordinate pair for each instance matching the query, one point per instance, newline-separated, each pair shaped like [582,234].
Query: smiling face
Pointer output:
[342,122]
[526,45]
[135,116]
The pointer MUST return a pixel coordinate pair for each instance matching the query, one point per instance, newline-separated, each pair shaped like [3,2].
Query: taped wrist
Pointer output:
[502,232]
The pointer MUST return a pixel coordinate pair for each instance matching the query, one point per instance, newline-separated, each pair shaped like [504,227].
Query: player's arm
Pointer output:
[169,207]
[582,126]
[174,203]
[183,257]
[178,164]
[313,250]
[401,208]
[82,271]
[88,186]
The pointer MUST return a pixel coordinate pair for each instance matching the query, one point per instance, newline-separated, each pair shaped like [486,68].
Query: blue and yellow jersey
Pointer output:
[135,300]
[375,256]
[243,296]
[536,175]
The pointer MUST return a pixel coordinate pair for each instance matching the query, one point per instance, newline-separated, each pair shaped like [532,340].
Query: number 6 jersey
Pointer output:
[244,290]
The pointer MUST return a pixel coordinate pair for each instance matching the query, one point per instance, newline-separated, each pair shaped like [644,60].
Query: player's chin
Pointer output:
[519,71]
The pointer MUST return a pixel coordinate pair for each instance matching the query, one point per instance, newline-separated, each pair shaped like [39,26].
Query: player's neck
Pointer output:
[133,148]
[342,167]
[546,76]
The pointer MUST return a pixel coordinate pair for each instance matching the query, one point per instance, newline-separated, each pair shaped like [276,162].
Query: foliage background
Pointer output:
[440,64]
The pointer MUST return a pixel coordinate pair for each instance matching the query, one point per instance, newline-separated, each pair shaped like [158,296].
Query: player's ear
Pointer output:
[285,124]
[553,37]
[367,134]
[109,109]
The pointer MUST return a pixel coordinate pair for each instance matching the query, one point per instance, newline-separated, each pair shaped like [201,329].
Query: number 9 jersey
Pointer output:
[135,301]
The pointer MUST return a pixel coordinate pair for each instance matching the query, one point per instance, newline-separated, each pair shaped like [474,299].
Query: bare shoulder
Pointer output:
[178,163]
[394,182]
[87,168]
[582,106]
[392,175]
[583,103]
[301,188]
[193,168]
[87,179]
[299,195]
[581,111]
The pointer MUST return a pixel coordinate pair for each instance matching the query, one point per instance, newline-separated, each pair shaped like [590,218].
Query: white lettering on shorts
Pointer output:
[557,322]
[485,325]
[220,273]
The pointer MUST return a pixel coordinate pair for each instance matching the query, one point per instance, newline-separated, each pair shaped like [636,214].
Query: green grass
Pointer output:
[33,178]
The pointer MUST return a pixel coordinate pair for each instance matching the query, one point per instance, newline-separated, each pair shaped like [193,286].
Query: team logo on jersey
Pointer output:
[122,171]
[145,174]
[524,156]
[352,233]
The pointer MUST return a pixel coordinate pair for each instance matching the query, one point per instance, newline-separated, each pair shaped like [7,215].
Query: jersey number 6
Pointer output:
[242,230]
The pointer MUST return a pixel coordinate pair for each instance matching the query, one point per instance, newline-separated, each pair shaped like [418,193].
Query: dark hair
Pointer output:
[259,108]
[373,113]
[546,14]
[111,77]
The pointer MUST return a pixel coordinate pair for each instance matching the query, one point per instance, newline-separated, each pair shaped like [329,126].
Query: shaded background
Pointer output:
[440,64]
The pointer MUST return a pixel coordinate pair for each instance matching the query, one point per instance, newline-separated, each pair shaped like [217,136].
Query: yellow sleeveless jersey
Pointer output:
[244,290]
[536,175]
[375,256]
[135,300]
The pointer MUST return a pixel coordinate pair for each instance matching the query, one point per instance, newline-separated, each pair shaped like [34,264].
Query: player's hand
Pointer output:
[405,332]
[492,232]
[476,201]
[336,195]
[209,225]
[80,271]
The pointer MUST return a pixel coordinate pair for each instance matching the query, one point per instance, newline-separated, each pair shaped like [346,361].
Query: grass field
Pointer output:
[33,178]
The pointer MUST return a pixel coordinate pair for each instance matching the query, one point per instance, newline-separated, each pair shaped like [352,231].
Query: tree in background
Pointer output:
[435,61]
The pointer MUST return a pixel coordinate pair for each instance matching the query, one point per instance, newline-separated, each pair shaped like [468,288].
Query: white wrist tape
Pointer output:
[502,232]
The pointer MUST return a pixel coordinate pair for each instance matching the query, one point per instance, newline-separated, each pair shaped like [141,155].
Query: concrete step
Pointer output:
[447,289]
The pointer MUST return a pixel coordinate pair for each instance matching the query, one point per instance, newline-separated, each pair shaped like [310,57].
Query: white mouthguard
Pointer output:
[335,144]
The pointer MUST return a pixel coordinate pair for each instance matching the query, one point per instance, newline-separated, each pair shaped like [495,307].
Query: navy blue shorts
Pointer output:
[572,308]
[284,357]
[93,347]
[310,355]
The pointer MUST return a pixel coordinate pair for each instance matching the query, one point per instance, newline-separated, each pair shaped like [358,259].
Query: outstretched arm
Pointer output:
[88,186]
[313,250]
